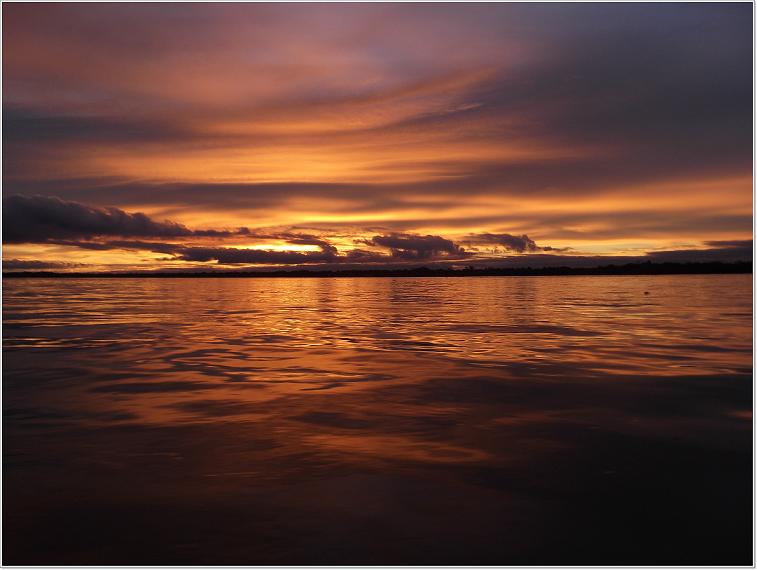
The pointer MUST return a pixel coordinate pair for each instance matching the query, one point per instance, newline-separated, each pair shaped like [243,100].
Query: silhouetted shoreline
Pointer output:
[647,268]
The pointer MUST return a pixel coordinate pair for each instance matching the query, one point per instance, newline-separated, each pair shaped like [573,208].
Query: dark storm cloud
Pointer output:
[410,246]
[520,244]
[38,219]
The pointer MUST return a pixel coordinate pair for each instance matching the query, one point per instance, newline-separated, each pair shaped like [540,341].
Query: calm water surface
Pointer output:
[480,420]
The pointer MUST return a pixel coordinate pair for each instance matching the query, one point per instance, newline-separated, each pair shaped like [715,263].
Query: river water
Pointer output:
[477,420]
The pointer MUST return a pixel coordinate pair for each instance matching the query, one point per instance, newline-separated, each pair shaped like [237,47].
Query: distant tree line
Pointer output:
[644,268]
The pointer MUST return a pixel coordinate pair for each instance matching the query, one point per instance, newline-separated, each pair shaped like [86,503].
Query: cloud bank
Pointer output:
[53,222]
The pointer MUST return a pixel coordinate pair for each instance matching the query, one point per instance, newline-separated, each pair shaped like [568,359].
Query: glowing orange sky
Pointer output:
[590,129]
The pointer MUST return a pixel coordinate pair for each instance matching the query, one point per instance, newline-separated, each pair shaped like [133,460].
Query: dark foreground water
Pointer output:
[487,420]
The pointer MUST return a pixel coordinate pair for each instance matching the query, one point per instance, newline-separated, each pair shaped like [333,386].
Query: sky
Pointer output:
[185,136]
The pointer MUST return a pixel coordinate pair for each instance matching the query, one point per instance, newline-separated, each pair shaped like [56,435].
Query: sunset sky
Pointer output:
[335,135]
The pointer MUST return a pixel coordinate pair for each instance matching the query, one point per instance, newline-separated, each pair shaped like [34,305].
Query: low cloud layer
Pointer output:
[509,242]
[49,219]
[72,226]
[417,247]
[34,219]
[53,221]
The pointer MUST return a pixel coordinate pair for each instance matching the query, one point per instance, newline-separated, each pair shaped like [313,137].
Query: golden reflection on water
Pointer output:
[223,387]
[169,351]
